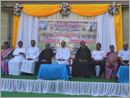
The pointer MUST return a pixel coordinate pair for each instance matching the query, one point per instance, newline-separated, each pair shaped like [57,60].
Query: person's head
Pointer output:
[20,44]
[47,45]
[63,43]
[33,43]
[125,45]
[82,43]
[112,48]
[98,46]
[6,45]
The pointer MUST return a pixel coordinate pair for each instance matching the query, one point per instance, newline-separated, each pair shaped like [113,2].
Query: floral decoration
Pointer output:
[65,9]
[113,8]
[17,9]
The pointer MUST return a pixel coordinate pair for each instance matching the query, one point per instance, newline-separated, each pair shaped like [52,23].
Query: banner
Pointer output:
[75,31]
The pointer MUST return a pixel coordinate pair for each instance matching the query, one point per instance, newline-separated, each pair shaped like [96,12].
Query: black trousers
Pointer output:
[38,65]
[102,68]
[124,61]
[120,63]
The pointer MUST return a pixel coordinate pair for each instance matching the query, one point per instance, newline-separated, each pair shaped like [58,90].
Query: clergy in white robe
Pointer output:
[15,63]
[63,54]
[28,65]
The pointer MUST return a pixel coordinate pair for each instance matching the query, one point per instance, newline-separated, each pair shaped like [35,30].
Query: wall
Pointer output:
[125,21]
[4,26]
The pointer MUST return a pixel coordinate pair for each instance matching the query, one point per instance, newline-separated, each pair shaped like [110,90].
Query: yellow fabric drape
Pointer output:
[40,10]
[118,30]
[16,22]
[89,9]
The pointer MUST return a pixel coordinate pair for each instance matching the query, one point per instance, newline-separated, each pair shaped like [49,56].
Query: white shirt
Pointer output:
[32,52]
[124,54]
[63,53]
[98,55]
[16,52]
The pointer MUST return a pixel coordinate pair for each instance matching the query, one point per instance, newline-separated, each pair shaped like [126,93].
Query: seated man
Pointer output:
[124,55]
[28,65]
[63,54]
[82,64]
[15,63]
[98,57]
[44,57]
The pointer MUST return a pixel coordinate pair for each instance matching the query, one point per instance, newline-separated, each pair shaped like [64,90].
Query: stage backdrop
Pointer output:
[53,31]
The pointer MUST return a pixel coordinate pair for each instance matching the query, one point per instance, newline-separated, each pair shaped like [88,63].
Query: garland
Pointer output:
[65,9]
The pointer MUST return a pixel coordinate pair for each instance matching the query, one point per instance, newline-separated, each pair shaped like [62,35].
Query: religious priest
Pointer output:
[63,54]
[15,63]
[28,65]
[82,64]
[44,57]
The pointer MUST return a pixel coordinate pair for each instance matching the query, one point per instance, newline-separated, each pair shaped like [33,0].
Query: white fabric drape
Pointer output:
[28,30]
[106,31]
[65,87]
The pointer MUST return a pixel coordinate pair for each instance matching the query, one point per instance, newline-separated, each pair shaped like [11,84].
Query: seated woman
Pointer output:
[6,54]
[111,64]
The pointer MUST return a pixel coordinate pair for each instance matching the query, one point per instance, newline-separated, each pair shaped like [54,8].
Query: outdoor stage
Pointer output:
[75,86]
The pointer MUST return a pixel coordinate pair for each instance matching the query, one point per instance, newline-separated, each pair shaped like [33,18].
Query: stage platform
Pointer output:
[75,86]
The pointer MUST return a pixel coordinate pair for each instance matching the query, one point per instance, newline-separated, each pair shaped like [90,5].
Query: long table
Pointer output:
[54,71]
[123,74]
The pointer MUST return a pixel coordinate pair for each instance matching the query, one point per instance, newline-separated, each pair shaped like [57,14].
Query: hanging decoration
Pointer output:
[113,8]
[17,9]
[65,9]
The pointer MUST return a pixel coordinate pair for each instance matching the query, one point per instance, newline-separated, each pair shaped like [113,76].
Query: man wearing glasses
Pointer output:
[44,57]
[124,55]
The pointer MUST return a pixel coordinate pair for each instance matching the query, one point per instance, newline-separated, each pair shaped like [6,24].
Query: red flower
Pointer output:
[66,8]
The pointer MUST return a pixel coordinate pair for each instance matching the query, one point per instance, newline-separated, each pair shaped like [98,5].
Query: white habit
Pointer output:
[15,63]
[28,66]
[63,53]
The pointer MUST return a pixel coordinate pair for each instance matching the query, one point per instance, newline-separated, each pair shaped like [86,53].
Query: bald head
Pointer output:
[63,43]
[47,46]
[125,45]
